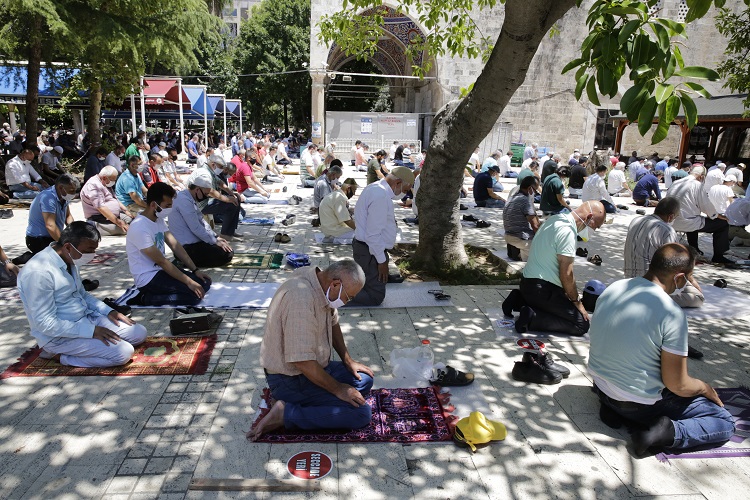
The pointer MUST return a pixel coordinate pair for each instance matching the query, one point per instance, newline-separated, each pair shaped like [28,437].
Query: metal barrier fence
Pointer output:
[344,145]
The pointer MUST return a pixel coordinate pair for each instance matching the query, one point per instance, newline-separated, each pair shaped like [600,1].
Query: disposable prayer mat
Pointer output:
[399,295]
[318,237]
[257,261]
[720,303]
[223,296]
[258,221]
[398,416]
[737,402]
[155,356]
[506,328]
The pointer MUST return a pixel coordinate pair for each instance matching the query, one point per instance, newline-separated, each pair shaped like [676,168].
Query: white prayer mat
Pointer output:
[720,303]
[336,241]
[505,329]
[225,296]
[400,295]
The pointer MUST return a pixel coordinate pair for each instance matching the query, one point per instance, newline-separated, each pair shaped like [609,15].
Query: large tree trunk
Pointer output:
[460,126]
[95,111]
[32,80]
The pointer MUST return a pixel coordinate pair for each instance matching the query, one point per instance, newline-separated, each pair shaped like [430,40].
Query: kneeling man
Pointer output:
[638,360]
[311,391]
[64,318]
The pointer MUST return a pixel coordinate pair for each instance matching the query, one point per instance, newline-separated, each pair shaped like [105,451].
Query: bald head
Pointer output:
[590,213]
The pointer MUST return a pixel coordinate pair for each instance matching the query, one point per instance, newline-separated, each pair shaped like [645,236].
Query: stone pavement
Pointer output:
[147,437]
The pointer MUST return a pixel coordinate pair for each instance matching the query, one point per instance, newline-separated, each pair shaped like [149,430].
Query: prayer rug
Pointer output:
[222,296]
[409,294]
[258,221]
[737,402]
[256,261]
[716,304]
[155,356]
[398,416]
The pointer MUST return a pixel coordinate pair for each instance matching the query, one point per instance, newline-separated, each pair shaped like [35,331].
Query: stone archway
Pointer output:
[408,95]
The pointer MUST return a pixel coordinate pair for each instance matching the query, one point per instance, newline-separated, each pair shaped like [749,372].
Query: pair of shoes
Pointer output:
[282,238]
[6,214]
[315,222]
[595,259]
[90,285]
[483,223]
[546,360]
[530,369]
[289,220]
[525,317]
[395,278]
[721,260]
[512,303]
[694,353]
[450,377]
[124,310]
[23,258]
[582,252]
[622,207]
[461,206]
[470,218]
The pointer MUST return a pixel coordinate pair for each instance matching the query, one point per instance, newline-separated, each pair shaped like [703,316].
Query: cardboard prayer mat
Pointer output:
[256,261]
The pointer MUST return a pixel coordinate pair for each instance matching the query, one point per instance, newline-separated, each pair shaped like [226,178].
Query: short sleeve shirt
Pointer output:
[128,183]
[482,182]
[333,214]
[142,234]
[514,216]
[373,167]
[46,202]
[553,186]
[557,236]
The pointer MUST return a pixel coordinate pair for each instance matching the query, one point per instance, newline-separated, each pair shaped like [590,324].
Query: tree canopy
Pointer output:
[735,69]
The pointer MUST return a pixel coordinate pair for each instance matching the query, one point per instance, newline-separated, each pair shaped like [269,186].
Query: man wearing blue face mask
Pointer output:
[312,391]
[157,280]
[65,320]
[375,231]
[548,299]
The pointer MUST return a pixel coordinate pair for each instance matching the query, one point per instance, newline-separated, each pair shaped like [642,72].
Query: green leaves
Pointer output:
[698,72]
[691,111]
[697,9]
[646,116]
[663,92]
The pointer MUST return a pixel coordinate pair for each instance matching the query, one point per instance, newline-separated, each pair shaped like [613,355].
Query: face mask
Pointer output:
[143,168]
[218,171]
[583,233]
[69,197]
[163,213]
[397,196]
[84,258]
[679,290]
[335,304]
[109,184]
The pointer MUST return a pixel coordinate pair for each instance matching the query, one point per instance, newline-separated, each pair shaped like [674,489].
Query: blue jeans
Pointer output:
[310,407]
[698,422]
[21,192]
[491,203]
[229,213]
[510,174]
[164,290]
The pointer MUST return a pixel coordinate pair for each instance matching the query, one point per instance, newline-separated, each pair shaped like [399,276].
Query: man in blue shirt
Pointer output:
[663,164]
[192,149]
[646,192]
[50,213]
[65,319]
[130,190]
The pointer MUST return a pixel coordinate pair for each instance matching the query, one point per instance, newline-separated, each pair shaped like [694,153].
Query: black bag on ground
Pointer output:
[7,279]
[193,323]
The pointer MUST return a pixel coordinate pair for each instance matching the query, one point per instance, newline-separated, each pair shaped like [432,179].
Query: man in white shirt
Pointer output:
[307,166]
[113,158]
[738,214]
[504,164]
[649,233]
[51,162]
[335,216]
[595,190]
[281,156]
[376,232]
[528,161]
[474,162]
[671,168]
[158,282]
[714,177]
[529,151]
[19,175]
[694,202]
[722,194]
[737,171]
[618,185]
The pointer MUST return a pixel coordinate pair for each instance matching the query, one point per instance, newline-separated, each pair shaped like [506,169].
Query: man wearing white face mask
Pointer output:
[50,213]
[158,281]
[65,320]
[101,207]
[376,231]
[22,180]
[549,298]
[312,391]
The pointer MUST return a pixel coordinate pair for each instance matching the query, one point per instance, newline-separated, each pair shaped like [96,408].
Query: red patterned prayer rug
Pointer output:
[398,416]
[155,356]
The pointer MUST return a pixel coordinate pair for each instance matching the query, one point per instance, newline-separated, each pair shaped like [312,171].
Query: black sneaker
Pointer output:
[532,371]
[511,303]
[547,361]
[315,222]
[694,353]
[514,253]
[23,258]
[124,310]
[721,260]
[524,318]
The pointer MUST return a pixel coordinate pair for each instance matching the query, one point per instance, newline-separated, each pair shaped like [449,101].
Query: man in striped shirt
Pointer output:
[649,233]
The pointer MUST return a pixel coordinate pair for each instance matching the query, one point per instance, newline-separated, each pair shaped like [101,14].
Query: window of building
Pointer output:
[605,129]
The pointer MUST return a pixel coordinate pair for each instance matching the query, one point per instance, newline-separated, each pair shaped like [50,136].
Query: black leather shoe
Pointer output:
[511,303]
[524,318]
[532,371]
[395,278]
[124,310]
[694,353]
[90,285]
[547,361]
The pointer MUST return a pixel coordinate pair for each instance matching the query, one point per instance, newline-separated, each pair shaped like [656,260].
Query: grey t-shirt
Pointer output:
[515,213]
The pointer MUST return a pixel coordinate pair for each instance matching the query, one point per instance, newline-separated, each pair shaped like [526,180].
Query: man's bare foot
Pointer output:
[272,421]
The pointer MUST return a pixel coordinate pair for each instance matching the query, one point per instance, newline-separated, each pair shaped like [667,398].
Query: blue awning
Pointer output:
[52,79]
[196,96]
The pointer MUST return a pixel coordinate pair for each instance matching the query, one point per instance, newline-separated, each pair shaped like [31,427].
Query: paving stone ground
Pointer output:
[147,437]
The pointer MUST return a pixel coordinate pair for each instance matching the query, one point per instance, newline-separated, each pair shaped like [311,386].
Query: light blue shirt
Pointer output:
[557,236]
[186,222]
[635,321]
[56,304]
[47,202]
[489,162]
[126,184]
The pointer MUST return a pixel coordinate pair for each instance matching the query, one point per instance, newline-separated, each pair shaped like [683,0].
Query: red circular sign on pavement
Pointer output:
[530,344]
[309,465]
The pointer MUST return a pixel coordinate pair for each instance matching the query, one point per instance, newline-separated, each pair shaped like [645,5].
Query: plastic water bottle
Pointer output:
[425,358]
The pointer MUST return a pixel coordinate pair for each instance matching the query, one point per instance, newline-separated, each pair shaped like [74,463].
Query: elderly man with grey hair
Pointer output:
[302,329]
[100,205]
[325,185]
[221,202]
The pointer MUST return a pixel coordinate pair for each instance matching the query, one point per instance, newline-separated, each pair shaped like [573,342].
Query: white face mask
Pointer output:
[163,213]
[218,171]
[339,302]
[397,196]
[679,290]
[109,184]
[84,258]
